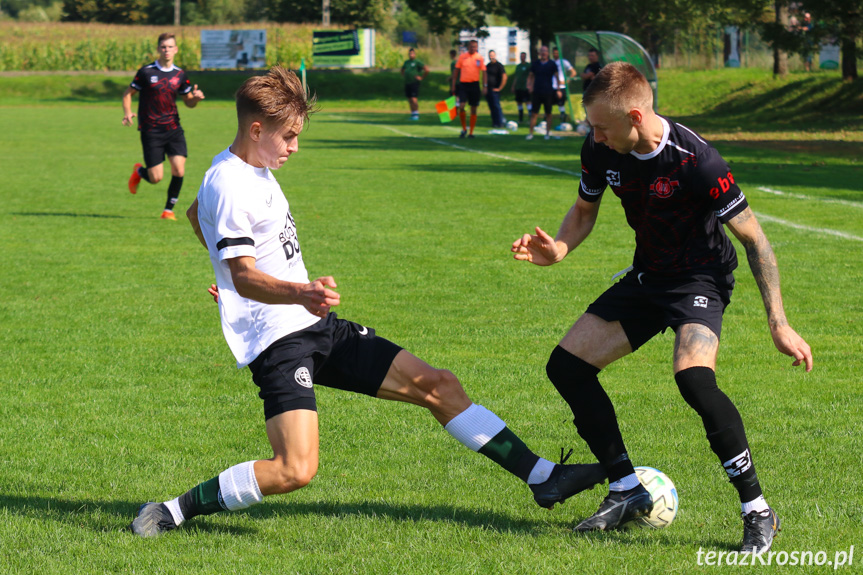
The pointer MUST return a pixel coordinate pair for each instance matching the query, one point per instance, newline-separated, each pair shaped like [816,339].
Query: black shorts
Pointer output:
[333,352]
[158,144]
[522,96]
[648,305]
[412,90]
[542,99]
[469,92]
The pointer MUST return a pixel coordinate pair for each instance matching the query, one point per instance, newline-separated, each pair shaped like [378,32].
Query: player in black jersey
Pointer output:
[677,193]
[158,121]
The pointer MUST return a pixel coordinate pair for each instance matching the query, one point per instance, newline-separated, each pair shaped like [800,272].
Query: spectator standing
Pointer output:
[540,83]
[519,86]
[414,72]
[565,72]
[495,76]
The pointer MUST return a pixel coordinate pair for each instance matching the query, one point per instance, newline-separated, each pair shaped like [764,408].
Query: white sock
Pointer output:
[540,472]
[758,504]
[475,426]
[238,487]
[174,507]
[624,483]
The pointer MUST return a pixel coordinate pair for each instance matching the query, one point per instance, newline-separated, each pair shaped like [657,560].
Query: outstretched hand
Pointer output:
[790,343]
[197,94]
[317,298]
[540,249]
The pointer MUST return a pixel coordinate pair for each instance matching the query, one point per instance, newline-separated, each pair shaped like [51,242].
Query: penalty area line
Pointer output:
[465,149]
[762,217]
[776,192]
[823,231]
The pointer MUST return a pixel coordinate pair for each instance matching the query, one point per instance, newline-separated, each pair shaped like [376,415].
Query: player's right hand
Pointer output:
[127,119]
[213,290]
[540,249]
[318,298]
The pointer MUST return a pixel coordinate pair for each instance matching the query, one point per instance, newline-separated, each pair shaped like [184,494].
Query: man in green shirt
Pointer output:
[414,72]
[519,86]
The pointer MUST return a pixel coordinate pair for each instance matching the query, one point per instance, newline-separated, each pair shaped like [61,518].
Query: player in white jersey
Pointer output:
[565,72]
[279,324]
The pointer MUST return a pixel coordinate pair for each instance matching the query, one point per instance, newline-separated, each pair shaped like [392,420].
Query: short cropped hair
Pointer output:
[276,99]
[165,36]
[621,86]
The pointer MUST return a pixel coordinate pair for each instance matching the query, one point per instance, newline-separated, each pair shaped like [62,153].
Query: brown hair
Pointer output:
[276,98]
[165,36]
[621,86]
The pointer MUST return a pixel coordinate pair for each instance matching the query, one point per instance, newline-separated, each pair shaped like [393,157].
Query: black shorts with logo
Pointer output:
[158,144]
[645,305]
[412,90]
[469,92]
[333,352]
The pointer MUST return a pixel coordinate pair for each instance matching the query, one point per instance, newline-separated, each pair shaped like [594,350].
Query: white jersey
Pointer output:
[563,68]
[243,212]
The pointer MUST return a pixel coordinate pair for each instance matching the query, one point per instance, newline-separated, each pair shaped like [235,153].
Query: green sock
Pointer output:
[510,452]
[203,499]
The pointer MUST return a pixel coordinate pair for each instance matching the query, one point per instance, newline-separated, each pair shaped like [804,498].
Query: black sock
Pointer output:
[594,417]
[173,192]
[142,171]
[724,428]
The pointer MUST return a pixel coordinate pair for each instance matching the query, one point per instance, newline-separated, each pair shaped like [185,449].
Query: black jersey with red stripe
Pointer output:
[157,103]
[676,198]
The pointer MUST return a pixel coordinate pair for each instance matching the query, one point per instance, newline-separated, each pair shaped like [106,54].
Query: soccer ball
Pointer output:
[512,126]
[565,127]
[664,496]
[582,129]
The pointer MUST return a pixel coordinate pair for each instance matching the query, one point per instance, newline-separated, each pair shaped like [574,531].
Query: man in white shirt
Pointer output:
[279,324]
[565,72]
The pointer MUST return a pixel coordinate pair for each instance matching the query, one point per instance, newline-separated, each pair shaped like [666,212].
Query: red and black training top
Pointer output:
[676,198]
[157,103]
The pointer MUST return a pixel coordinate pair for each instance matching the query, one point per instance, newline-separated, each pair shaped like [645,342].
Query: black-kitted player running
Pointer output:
[159,84]
[677,193]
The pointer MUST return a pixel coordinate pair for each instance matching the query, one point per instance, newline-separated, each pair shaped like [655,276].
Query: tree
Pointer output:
[351,13]
[107,11]
[846,17]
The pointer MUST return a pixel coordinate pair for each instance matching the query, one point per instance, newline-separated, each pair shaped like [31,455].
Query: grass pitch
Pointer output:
[116,386]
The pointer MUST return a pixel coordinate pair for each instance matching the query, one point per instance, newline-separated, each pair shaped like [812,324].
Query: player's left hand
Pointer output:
[790,343]
[213,290]
[197,94]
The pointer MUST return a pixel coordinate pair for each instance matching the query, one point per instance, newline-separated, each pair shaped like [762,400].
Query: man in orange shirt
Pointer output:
[469,72]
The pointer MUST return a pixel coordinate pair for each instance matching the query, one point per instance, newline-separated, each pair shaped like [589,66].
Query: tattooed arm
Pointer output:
[762,262]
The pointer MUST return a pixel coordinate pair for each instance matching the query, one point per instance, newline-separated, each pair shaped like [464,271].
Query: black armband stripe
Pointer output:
[228,242]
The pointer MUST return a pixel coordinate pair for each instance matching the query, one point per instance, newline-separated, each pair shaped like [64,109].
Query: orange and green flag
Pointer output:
[446,110]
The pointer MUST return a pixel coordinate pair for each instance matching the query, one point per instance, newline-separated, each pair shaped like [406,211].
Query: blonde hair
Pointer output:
[276,98]
[621,86]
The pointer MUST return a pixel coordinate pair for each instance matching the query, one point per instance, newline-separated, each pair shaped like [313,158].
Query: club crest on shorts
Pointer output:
[699,301]
[303,377]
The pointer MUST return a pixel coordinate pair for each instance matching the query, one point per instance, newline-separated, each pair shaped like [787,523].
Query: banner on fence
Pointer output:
[344,48]
[233,49]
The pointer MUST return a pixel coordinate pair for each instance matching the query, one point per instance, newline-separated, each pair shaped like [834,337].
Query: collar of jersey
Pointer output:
[665,130]
[156,64]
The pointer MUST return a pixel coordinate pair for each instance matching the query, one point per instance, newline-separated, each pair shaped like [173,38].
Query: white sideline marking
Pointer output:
[763,217]
[814,198]
[827,231]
